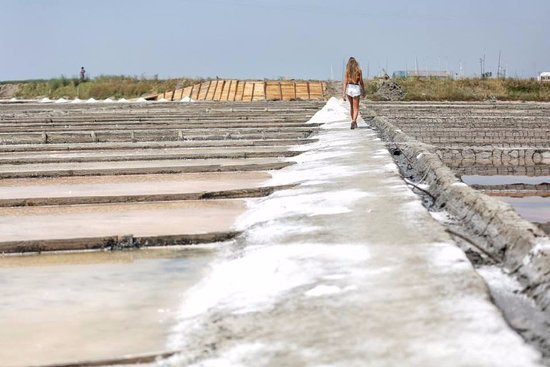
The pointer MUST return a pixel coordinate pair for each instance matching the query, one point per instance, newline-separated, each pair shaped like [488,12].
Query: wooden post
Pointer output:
[235,94]
[265,89]
[322,90]
[221,90]
[207,90]
[191,93]
[199,91]
[173,94]
[281,91]
[295,96]
[308,92]
[215,89]
[244,88]
[252,94]
[228,90]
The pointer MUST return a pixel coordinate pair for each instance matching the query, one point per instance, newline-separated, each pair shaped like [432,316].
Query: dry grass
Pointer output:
[99,88]
[470,89]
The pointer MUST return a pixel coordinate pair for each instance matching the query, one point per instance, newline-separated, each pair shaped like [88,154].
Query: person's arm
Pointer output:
[344,86]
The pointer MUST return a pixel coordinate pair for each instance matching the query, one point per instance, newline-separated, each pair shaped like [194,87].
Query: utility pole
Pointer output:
[498,68]
[482,66]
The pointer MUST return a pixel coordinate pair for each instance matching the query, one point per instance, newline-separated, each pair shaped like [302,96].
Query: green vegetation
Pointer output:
[418,89]
[99,88]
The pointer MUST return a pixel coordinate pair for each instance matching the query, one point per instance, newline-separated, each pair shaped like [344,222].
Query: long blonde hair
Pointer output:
[353,70]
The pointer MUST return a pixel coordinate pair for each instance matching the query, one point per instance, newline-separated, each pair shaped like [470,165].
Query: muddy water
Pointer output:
[533,208]
[504,180]
[57,308]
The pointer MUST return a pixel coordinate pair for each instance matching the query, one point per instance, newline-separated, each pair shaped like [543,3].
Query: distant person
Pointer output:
[82,74]
[352,88]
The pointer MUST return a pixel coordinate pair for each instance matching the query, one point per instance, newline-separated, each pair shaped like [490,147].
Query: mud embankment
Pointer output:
[514,243]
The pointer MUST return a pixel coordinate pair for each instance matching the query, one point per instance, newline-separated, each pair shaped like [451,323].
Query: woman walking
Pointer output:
[352,87]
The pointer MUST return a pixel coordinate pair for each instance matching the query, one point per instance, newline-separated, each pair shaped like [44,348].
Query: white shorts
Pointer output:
[353,90]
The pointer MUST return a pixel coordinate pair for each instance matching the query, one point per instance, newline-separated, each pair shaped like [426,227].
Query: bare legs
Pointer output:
[354,110]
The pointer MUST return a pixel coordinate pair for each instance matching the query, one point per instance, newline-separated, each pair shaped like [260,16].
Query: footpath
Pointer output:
[345,269]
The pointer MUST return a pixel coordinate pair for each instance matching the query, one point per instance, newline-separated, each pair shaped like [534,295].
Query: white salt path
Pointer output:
[347,269]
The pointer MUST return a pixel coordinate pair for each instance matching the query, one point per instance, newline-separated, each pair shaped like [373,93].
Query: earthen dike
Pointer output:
[435,144]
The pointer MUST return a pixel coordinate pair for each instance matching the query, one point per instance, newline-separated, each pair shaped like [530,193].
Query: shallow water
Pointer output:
[83,306]
[504,180]
[533,208]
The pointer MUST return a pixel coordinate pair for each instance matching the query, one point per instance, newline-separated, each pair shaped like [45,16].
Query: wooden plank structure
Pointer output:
[249,90]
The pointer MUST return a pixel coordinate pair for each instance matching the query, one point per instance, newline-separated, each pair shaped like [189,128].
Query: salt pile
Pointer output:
[76,100]
[13,99]
[122,100]
[45,100]
[109,100]
[61,100]
[162,100]
[91,100]
[141,100]
[187,99]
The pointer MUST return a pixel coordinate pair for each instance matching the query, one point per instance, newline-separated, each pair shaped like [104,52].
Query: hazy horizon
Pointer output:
[269,39]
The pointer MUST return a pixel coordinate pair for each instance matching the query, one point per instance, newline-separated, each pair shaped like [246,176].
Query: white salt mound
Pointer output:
[187,99]
[76,100]
[45,100]
[162,100]
[141,100]
[91,100]
[122,100]
[13,99]
[109,100]
[61,100]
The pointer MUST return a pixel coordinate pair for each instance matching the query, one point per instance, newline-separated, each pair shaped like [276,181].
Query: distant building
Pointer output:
[544,77]
[399,74]
[427,74]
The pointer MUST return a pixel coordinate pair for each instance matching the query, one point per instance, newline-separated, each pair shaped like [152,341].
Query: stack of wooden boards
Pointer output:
[249,90]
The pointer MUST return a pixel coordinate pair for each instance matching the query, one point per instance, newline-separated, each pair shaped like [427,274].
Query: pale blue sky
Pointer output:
[269,38]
